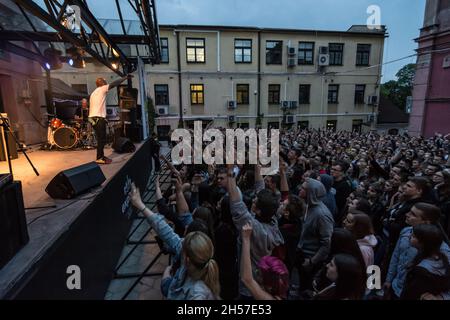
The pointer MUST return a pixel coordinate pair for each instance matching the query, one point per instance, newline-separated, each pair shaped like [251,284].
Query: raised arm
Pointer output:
[162,229]
[182,206]
[119,81]
[246,267]
[284,186]
[170,165]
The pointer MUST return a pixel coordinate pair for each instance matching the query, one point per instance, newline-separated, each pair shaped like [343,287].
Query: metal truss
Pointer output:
[92,37]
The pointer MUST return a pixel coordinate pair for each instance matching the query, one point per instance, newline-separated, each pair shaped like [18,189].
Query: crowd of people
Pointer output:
[340,203]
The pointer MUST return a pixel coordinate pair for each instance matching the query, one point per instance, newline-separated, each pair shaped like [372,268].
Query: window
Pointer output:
[164,50]
[274,51]
[303,125]
[363,55]
[331,125]
[306,53]
[244,125]
[303,93]
[195,50]
[161,94]
[273,125]
[336,51]
[359,93]
[333,93]
[357,125]
[274,93]
[242,50]
[81,88]
[242,93]
[197,94]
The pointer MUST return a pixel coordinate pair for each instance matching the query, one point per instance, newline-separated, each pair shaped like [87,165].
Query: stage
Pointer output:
[88,231]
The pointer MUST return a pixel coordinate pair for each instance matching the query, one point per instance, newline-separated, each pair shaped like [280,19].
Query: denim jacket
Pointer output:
[403,255]
[180,286]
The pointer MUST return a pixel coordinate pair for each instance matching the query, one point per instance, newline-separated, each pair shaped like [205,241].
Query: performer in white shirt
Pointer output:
[97,114]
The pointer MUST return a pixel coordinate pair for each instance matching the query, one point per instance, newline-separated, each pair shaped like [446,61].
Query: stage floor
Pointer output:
[50,163]
[45,226]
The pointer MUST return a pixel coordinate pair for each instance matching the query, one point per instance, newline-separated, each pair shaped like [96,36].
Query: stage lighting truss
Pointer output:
[87,32]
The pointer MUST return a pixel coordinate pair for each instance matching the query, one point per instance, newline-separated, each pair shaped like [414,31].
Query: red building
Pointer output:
[431,96]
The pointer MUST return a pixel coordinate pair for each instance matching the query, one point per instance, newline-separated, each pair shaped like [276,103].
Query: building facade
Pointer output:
[245,77]
[431,94]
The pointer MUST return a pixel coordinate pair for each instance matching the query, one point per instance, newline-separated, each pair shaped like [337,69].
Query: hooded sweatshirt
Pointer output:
[328,199]
[367,245]
[318,224]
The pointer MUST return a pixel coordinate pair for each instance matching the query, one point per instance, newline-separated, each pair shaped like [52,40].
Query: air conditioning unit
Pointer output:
[284,104]
[163,110]
[292,104]
[291,51]
[232,119]
[289,119]
[323,50]
[446,62]
[232,104]
[372,100]
[370,118]
[292,62]
[324,59]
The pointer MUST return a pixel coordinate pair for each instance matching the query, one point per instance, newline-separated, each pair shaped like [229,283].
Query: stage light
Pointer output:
[115,65]
[53,57]
[71,62]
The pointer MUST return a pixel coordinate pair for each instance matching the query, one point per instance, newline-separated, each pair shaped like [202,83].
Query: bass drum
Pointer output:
[65,137]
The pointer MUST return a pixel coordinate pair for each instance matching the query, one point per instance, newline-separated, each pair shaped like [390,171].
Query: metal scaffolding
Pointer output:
[89,35]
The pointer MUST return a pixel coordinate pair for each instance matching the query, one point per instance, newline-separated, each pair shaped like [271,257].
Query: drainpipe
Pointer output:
[180,88]
[258,109]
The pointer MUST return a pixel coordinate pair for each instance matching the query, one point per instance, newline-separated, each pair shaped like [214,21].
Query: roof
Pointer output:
[388,112]
[353,30]
[61,90]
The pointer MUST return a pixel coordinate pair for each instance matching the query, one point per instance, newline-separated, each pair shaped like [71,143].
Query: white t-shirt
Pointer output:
[97,102]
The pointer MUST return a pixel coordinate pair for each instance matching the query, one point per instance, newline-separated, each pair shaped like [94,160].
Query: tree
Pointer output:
[398,90]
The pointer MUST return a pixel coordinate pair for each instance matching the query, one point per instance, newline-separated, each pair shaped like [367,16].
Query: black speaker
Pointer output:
[72,182]
[123,145]
[13,226]
[11,145]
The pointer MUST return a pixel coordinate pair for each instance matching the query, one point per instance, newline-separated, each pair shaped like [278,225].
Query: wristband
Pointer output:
[142,210]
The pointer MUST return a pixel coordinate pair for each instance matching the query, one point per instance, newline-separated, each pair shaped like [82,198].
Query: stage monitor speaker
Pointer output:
[11,145]
[13,225]
[72,182]
[123,145]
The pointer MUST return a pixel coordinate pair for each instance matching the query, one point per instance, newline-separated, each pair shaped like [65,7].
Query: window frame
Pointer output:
[165,47]
[331,121]
[305,85]
[196,92]
[242,48]
[156,95]
[247,102]
[281,52]
[359,102]
[337,94]
[304,51]
[332,60]
[360,56]
[195,48]
[270,94]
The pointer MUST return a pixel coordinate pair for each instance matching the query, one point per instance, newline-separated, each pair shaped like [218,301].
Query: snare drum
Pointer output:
[65,137]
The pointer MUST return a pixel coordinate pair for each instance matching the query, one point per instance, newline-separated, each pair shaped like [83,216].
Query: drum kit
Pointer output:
[74,134]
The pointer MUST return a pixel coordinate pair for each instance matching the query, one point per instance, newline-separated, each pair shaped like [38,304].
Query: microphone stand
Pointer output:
[7,128]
